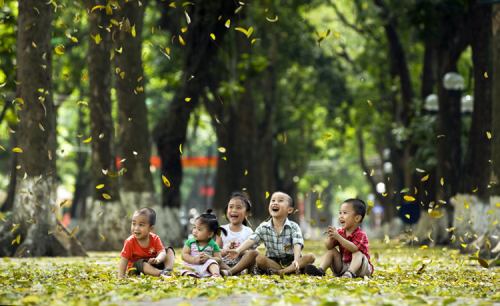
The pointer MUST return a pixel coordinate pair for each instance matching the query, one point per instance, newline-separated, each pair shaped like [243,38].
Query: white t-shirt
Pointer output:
[234,239]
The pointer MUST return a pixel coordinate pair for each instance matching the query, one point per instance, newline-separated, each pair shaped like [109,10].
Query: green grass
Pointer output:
[403,276]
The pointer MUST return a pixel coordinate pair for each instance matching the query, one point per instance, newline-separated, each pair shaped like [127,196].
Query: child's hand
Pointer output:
[153,261]
[295,264]
[223,252]
[203,257]
[232,255]
[332,232]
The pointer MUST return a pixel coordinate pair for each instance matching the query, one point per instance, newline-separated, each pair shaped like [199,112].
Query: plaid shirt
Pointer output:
[358,237]
[278,245]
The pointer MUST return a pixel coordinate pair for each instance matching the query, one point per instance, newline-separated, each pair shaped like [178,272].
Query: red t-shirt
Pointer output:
[133,251]
[358,237]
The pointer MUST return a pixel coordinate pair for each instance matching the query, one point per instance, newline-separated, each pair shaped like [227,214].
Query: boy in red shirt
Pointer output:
[353,257]
[143,252]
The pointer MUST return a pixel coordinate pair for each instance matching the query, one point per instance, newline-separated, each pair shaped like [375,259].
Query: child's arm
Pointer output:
[234,254]
[186,256]
[216,255]
[297,248]
[351,247]
[160,258]
[122,268]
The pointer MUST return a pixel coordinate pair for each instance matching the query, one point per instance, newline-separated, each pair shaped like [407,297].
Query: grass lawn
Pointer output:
[403,276]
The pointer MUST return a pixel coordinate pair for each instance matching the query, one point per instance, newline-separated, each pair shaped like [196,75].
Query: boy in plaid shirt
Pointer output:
[281,237]
[353,257]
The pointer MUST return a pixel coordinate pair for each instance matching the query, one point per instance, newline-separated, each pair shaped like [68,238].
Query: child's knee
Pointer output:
[260,260]
[253,253]
[310,258]
[170,252]
[357,255]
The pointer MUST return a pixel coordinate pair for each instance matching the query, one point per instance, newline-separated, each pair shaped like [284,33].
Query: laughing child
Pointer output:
[353,257]
[281,237]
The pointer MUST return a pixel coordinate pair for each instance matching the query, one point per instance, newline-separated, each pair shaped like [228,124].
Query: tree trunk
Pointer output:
[13,162]
[135,146]
[106,200]
[35,210]
[170,133]
[476,172]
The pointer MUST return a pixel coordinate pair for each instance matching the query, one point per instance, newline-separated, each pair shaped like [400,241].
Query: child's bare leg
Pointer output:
[214,268]
[263,262]
[303,262]
[327,259]
[149,269]
[247,262]
[357,260]
[169,261]
[222,264]
[336,264]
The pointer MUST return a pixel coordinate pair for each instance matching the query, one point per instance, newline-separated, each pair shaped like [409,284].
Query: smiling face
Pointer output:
[279,207]
[348,218]
[201,232]
[140,227]
[236,211]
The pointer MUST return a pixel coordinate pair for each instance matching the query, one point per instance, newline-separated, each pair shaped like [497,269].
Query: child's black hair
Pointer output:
[358,206]
[240,196]
[149,213]
[211,221]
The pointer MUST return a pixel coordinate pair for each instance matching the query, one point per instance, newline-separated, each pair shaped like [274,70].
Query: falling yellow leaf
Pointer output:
[483,262]
[495,223]
[369,210]
[88,140]
[369,203]
[172,4]
[267,194]
[436,214]
[187,99]
[73,232]
[246,172]
[322,220]
[97,7]
[423,247]
[488,134]
[407,216]
[59,49]
[312,222]
[228,23]
[442,181]
[15,226]
[222,150]
[17,240]
[100,186]
[425,178]
[17,150]
[409,198]
[429,235]
[369,102]
[254,40]
[486,74]
[212,35]
[97,38]
[466,205]
[242,30]
[106,196]
[273,20]
[373,172]
[1,217]
[490,212]
[180,148]
[181,40]
[41,127]
[2,148]
[103,239]
[165,181]
[82,102]
[84,76]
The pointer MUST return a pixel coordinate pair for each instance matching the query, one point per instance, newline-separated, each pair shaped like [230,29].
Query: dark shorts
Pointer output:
[283,261]
[136,268]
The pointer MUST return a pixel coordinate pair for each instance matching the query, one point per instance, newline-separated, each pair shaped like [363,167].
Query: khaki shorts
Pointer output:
[364,270]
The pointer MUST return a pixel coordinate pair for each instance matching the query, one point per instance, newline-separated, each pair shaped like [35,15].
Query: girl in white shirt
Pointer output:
[237,211]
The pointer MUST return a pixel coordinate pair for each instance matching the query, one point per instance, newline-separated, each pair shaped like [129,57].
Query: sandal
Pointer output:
[216,275]
[349,274]
[166,273]
[243,272]
[191,274]
[272,271]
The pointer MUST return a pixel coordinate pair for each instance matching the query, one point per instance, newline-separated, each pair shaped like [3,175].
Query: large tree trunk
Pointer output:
[35,210]
[170,133]
[135,147]
[476,172]
[106,200]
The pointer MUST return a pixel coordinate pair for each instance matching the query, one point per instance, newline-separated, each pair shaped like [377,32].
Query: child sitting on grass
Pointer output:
[237,211]
[282,239]
[201,252]
[143,252]
[353,257]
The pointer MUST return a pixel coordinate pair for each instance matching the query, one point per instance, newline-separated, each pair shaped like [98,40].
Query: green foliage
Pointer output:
[403,276]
